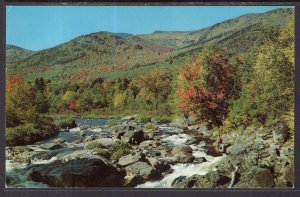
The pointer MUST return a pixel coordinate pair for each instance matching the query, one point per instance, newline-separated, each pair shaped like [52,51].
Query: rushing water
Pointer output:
[170,135]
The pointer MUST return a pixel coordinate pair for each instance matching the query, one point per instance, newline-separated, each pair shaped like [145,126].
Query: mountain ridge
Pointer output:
[102,53]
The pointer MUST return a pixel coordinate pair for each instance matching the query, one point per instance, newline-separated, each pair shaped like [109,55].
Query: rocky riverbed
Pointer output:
[123,153]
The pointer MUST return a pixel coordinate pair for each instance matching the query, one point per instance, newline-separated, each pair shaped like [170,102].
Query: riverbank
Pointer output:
[180,154]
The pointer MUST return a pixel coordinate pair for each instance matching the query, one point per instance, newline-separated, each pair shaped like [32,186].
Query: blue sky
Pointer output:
[40,27]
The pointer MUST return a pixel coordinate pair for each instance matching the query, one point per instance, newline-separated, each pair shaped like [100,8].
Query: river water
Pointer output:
[170,135]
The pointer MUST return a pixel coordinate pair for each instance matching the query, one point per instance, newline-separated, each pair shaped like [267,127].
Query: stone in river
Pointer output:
[130,159]
[78,173]
[140,172]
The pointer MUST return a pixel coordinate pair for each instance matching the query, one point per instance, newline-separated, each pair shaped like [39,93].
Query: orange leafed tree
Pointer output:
[206,85]
[20,101]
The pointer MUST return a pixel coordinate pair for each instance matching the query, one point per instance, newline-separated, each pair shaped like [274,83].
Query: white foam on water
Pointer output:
[41,161]
[11,166]
[183,170]
[178,139]
[28,184]
[96,130]
[170,129]
[76,129]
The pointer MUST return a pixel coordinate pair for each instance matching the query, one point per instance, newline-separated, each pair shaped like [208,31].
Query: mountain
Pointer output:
[218,31]
[15,54]
[119,55]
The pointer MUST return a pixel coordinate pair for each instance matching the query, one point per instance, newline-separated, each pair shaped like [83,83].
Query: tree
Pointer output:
[155,86]
[268,98]
[40,84]
[207,84]
[20,101]
[68,98]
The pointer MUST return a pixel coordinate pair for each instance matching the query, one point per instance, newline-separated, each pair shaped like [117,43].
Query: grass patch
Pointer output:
[98,148]
[118,150]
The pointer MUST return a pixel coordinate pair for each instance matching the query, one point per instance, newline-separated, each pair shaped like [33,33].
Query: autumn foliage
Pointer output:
[206,85]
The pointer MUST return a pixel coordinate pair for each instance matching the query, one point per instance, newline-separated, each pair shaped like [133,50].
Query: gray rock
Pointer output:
[289,174]
[77,173]
[199,160]
[193,127]
[182,154]
[158,165]
[222,147]
[256,178]
[239,147]
[148,135]
[280,136]
[78,154]
[133,136]
[104,142]
[145,144]
[89,138]
[141,171]
[128,118]
[130,159]
[210,180]
[185,149]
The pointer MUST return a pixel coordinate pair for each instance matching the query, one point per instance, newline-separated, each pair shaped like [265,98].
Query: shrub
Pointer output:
[118,150]
[30,133]
[150,126]
[66,123]
[289,120]
[138,47]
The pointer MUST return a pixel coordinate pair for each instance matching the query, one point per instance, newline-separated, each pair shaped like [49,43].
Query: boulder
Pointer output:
[104,142]
[182,154]
[193,127]
[78,154]
[89,138]
[130,159]
[222,147]
[76,129]
[184,149]
[133,136]
[199,160]
[158,165]
[82,133]
[289,174]
[256,177]
[145,144]
[280,136]
[28,156]
[77,173]
[141,172]
[127,118]
[239,147]
[149,135]
[210,180]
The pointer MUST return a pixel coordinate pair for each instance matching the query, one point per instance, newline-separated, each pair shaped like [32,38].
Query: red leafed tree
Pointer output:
[206,85]
[73,106]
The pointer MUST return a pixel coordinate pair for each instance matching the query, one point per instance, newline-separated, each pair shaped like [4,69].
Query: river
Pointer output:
[170,135]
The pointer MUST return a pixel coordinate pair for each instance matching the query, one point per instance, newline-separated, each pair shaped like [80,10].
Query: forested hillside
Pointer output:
[229,76]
